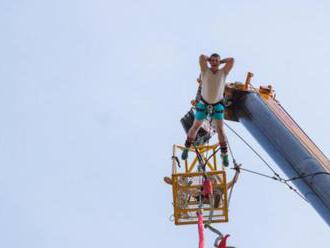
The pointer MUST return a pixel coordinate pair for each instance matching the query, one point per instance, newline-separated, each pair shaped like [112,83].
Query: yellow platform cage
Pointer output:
[187,181]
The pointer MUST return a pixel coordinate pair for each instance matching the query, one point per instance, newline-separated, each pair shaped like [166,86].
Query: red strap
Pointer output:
[200,230]
[223,242]
[207,188]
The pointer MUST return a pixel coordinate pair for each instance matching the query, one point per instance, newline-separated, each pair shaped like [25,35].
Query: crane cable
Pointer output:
[254,150]
[276,176]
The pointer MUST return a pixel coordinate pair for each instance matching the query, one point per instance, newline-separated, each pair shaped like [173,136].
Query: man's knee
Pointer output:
[220,130]
[194,129]
[219,126]
[197,124]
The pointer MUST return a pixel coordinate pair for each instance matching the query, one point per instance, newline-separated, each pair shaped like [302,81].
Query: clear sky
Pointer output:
[91,93]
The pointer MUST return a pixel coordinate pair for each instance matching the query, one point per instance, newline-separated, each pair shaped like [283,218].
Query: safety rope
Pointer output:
[276,176]
[209,157]
[308,175]
[200,159]
[254,150]
[276,179]
[259,174]
[217,232]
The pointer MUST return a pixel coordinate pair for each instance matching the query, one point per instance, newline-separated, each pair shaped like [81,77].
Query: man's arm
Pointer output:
[229,63]
[199,79]
[232,182]
[203,62]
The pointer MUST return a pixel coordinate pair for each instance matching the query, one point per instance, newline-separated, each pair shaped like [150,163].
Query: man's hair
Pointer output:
[215,55]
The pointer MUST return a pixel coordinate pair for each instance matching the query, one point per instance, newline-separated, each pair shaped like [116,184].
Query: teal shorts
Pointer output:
[202,111]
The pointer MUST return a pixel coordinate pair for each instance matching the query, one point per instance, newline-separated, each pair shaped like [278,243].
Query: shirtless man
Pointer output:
[211,103]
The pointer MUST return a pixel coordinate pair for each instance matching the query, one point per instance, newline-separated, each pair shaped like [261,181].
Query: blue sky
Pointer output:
[91,93]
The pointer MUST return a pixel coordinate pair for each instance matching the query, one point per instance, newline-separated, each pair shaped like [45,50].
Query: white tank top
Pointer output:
[213,85]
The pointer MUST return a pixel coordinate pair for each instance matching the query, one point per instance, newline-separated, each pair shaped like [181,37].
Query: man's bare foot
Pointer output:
[168,180]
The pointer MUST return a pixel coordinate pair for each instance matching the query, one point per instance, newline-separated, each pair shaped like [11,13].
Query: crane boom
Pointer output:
[288,145]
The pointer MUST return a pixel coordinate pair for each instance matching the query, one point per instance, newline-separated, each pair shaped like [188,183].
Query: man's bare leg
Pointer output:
[220,131]
[191,136]
[222,141]
[192,133]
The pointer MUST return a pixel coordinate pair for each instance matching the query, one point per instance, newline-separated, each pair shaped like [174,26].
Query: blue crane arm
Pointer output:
[287,144]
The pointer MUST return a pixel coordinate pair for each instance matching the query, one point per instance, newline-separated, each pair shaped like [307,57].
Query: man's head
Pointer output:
[214,60]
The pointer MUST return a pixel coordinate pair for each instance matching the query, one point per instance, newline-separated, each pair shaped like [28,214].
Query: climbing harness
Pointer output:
[209,108]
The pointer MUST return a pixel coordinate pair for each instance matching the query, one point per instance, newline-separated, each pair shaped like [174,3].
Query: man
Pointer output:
[211,103]
[218,193]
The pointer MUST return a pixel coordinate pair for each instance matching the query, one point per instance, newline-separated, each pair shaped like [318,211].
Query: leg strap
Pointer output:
[224,148]
[188,143]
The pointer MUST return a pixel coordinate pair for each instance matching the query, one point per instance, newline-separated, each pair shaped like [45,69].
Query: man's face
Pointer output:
[214,61]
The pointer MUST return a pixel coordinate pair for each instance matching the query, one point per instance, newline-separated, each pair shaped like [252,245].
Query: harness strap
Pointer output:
[206,110]
[213,104]
[223,242]
[210,107]
[200,110]
[207,188]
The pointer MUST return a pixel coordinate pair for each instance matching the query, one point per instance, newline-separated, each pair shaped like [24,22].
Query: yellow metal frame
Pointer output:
[190,165]
[187,183]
